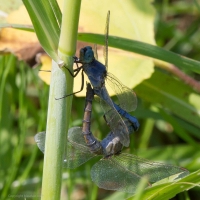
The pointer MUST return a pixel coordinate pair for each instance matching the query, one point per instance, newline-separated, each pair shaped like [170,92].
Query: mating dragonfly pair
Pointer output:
[116,170]
[98,74]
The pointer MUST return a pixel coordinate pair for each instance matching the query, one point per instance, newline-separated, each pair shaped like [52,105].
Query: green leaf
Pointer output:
[56,9]
[18,26]
[171,94]
[46,25]
[169,190]
[180,155]
[144,49]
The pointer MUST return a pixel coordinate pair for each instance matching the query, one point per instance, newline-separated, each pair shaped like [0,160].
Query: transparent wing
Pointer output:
[105,51]
[107,175]
[40,140]
[154,170]
[127,98]
[77,150]
[123,172]
[113,118]
[75,136]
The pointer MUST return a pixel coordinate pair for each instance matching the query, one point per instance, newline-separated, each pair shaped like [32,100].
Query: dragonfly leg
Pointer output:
[77,70]
[82,85]
[73,75]
[44,70]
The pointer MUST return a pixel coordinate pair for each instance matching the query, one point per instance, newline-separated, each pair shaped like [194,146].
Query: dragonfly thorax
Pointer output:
[86,55]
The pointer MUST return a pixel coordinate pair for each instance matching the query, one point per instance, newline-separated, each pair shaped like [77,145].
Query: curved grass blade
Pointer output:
[46,25]
[169,190]
[19,27]
[144,49]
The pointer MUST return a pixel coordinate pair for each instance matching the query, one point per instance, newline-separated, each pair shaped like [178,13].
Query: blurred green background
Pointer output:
[163,136]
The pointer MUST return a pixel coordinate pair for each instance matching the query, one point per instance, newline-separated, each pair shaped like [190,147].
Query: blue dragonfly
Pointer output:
[98,74]
[115,170]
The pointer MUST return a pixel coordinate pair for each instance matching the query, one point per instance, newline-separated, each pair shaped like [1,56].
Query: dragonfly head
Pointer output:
[86,55]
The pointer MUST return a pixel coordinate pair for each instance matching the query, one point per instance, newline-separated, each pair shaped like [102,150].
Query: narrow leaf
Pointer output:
[144,49]
[168,190]
[45,25]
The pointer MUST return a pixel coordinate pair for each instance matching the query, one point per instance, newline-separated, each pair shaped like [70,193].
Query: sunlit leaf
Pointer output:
[8,7]
[132,20]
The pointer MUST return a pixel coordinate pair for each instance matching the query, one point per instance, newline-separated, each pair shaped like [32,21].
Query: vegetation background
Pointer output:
[168,108]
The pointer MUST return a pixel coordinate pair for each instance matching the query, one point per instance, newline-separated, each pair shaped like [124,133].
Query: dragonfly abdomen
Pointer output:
[126,115]
[93,144]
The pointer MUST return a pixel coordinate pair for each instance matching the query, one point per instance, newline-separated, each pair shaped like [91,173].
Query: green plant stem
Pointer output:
[55,137]
[69,29]
[59,111]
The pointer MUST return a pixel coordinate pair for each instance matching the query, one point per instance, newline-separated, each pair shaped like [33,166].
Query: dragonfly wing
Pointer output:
[127,98]
[40,140]
[155,171]
[123,172]
[76,156]
[77,152]
[108,175]
[113,118]
[75,136]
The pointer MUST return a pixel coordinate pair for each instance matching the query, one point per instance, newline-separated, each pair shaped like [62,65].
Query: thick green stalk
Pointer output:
[59,111]
[69,29]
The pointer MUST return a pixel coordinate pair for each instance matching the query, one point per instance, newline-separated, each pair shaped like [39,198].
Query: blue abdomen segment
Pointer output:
[126,115]
[103,94]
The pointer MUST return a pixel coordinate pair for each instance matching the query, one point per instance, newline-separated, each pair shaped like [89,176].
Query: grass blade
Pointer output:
[144,49]
[45,24]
